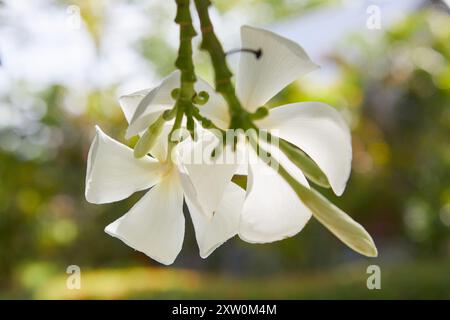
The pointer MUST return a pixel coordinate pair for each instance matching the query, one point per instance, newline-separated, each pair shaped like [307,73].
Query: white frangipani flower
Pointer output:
[142,108]
[155,224]
[272,210]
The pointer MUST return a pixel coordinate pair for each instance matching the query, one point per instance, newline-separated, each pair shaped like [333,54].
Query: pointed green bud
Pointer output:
[149,139]
[201,98]
[337,221]
[334,219]
[304,163]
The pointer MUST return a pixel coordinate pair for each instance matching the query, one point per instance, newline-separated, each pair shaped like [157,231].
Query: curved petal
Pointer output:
[209,176]
[275,153]
[272,210]
[281,62]
[155,224]
[160,99]
[151,106]
[223,225]
[216,108]
[130,102]
[114,174]
[321,132]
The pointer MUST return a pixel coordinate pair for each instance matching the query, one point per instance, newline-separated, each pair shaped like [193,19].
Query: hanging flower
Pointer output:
[142,108]
[272,210]
[155,224]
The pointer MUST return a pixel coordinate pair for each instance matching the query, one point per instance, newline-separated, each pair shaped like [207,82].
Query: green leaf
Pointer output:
[304,163]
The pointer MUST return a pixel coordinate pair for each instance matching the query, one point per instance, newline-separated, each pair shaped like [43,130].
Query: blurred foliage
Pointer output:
[395,92]
[423,280]
[275,8]
[154,48]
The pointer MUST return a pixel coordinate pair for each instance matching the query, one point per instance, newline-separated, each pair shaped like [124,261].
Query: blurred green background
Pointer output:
[63,66]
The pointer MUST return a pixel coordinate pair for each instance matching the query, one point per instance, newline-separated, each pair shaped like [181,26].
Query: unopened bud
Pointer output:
[149,139]
[309,168]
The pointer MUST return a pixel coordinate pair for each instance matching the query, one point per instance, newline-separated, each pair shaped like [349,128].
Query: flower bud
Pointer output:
[149,139]
[310,169]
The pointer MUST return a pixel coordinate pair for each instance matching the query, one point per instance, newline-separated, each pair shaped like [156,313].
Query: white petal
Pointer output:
[283,160]
[114,174]
[272,210]
[130,102]
[209,176]
[282,61]
[320,132]
[151,106]
[160,99]
[213,232]
[216,108]
[155,225]
[242,148]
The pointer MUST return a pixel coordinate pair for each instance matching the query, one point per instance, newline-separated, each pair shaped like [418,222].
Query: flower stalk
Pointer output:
[185,64]
[240,118]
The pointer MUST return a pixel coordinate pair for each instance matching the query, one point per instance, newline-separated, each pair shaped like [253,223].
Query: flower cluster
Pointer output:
[313,144]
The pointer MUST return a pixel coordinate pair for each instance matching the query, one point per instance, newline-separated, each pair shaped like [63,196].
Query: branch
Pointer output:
[185,64]
[239,116]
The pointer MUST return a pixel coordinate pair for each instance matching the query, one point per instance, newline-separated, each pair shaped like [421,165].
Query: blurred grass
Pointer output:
[428,279]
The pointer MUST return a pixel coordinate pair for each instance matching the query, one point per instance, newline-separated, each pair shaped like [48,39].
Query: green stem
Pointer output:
[240,118]
[185,64]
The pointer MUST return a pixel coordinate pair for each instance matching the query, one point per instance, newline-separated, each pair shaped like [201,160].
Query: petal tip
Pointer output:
[339,191]
[89,198]
[98,130]
[111,230]
[373,251]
